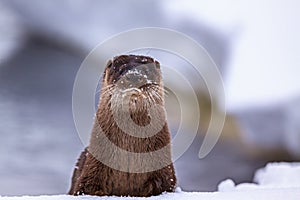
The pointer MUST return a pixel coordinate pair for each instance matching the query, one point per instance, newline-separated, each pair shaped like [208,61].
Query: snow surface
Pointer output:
[291,193]
[275,181]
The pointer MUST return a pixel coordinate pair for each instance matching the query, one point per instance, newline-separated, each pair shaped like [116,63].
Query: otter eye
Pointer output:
[122,69]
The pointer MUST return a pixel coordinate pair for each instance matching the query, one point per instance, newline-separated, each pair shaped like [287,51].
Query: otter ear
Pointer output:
[157,64]
[108,65]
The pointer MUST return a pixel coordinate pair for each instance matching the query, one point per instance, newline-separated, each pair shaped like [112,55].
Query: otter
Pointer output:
[129,153]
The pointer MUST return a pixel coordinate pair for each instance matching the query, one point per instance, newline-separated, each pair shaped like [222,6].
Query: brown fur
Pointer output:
[93,177]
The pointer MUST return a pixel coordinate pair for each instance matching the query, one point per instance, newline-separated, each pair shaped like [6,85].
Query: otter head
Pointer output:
[134,81]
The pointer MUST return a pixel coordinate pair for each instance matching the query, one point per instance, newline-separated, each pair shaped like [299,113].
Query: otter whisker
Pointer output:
[157,96]
[108,91]
[166,90]
[107,87]
[157,92]
[157,88]
[151,100]
[104,88]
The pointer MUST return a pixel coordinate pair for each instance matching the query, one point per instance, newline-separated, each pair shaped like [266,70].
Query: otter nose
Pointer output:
[135,80]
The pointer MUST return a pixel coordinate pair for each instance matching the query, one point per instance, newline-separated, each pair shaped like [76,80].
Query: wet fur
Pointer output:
[91,176]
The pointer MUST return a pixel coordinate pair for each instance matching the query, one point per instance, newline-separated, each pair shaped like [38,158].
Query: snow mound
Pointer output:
[273,176]
[279,175]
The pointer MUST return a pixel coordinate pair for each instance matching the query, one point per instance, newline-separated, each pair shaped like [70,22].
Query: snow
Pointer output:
[273,176]
[275,181]
[290,194]
[279,175]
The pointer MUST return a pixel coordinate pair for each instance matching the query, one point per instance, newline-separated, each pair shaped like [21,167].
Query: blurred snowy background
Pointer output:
[255,44]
